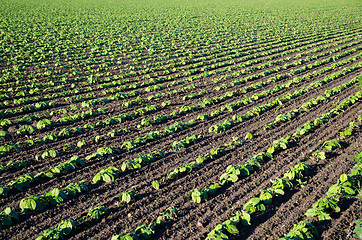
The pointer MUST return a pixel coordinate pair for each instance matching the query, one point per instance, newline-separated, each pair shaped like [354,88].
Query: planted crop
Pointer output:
[25,129]
[106,175]
[137,162]
[97,212]
[322,208]
[177,145]
[116,84]
[7,217]
[229,227]
[319,155]
[64,228]
[221,127]
[302,230]
[48,154]
[331,144]
[44,124]
[278,145]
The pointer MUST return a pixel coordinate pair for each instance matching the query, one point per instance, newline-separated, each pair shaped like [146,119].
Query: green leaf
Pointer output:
[53,153]
[155,184]
[66,226]
[232,229]
[97,178]
[343,178]
[45,155]
[107,178]
[32,204]
[311,212]
[266,196]
[324,216]
[196,196]
[233,178]
[126,197]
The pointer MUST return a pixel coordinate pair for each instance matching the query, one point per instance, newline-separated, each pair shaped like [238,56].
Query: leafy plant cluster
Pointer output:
[347,131]
[187,141]
[117,132]
[51,198]
[129,196]
[47,154]
[195,95]
[137,162]
[221,127]
[302,230]
[106,175]
[103,152]
[331,144]
[229,227]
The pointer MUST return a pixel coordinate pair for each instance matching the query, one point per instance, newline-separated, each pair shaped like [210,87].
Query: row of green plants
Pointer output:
[66,133]
[267,72]
[187,141]
[177,75]
[24,181]
[51,198]
[256,111]
[290,37]
[347,186]
[282,118]
[11,165]
[251,63]
[231,107]
[302,230]
[234,173]
[257,204]
[30,126]
[294,64]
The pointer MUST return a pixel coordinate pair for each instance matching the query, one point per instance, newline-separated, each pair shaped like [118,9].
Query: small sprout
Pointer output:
[129,196]
[249,136]
[319,155]
[106,175]
[81,143]
[155,184]
[97,212]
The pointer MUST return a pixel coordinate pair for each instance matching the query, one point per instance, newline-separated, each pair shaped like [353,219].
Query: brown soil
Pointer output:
[196,220]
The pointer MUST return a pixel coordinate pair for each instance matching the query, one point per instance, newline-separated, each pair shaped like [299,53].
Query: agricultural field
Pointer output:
[180,119]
